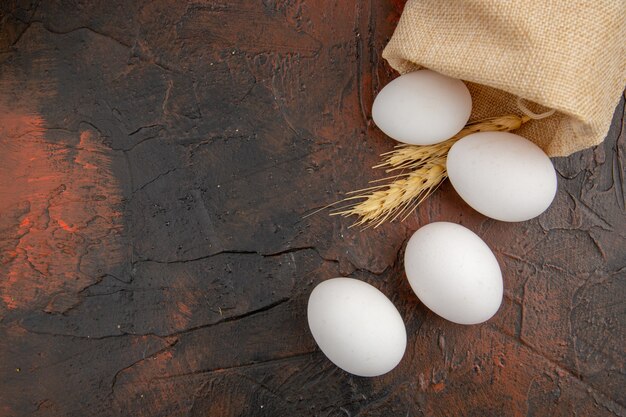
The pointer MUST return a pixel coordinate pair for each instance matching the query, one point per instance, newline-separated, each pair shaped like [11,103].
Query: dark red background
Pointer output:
[156,162]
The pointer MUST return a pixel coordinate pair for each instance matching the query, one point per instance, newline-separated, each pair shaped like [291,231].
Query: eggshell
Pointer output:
[502,175]
[454,273]
[356,326]
[422,107]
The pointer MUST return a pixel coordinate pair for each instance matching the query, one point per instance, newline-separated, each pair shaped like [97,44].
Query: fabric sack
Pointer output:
[564,55]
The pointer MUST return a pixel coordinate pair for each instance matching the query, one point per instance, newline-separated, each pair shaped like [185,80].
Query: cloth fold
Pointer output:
[568,56]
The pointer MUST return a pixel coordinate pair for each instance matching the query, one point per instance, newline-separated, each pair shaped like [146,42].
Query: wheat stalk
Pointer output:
[427,164]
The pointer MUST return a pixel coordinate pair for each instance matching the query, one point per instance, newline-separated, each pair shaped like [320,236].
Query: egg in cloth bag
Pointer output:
[566,56]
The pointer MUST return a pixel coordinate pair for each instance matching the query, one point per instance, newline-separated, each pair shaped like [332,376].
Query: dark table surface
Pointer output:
[156,162]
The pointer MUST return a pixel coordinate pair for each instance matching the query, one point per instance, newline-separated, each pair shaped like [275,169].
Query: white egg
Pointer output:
[502,175]
[454,273]
[356,326]
[422,107]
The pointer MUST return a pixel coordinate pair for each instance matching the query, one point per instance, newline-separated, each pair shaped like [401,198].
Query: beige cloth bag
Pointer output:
[561,54]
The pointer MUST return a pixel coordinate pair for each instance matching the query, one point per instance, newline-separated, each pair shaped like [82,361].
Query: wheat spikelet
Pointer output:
[398,198]
[427,164]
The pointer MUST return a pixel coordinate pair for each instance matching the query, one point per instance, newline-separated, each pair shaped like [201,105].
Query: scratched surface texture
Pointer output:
[156,162]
